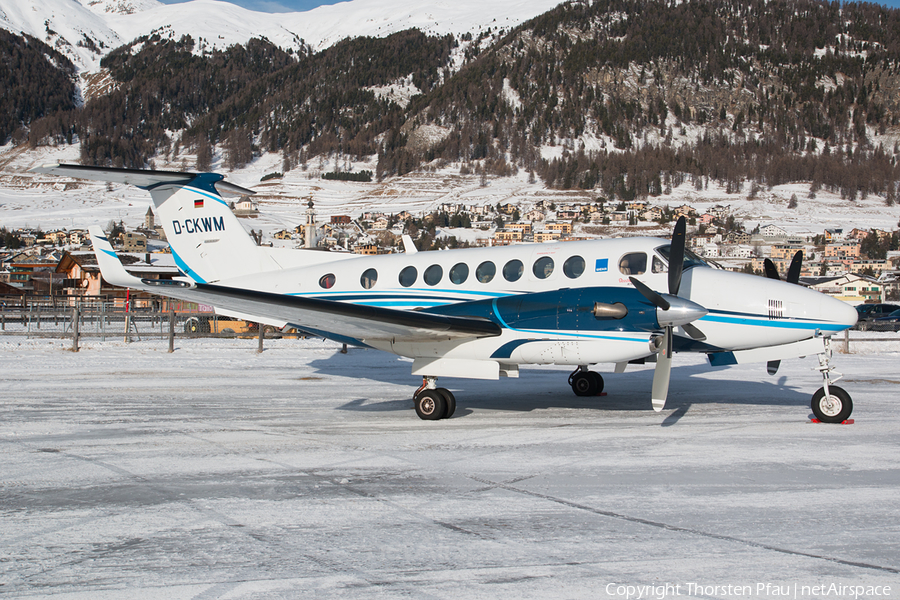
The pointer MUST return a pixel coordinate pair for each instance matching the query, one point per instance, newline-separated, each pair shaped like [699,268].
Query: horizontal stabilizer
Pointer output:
[137,177]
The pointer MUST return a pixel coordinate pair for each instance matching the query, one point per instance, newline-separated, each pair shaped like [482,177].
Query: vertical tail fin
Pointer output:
[207,240]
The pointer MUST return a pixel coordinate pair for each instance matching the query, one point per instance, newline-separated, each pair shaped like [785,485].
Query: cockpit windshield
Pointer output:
[690,259]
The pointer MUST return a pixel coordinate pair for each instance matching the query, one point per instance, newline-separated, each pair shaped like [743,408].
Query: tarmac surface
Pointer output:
[301,472]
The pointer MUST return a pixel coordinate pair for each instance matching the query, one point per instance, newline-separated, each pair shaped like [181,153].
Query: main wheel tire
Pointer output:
[598,379]
[583,384]
[450,400]
[835,408]
[196,325]
[430,405]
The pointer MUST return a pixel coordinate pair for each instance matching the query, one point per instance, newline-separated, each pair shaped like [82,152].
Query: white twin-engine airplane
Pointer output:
[481,312]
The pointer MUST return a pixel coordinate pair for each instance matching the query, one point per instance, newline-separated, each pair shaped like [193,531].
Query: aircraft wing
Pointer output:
[336,320]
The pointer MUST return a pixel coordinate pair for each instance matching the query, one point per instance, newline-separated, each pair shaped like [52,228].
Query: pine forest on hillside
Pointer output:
[632,97]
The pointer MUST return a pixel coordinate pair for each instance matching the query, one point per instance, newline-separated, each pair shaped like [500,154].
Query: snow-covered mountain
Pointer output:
[85,30]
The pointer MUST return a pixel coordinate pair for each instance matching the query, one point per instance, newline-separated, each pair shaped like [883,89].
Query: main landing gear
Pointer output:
[433,403]
[830,404]
[585,382]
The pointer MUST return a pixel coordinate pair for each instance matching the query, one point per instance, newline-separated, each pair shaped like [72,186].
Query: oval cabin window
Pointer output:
[485,272]
[543,267]
[408,276]
[433,274]
[368,279]
[327,281]
[512,271]
[459,273]
[573,267]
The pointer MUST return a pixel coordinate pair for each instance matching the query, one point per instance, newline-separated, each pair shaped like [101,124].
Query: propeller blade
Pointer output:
[772,366]
[657,300]
[662,373]
[676,256]
[694,332]
[793,275]
[771,271]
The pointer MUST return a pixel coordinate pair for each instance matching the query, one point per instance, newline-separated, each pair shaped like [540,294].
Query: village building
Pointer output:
[834,235]
[542,237]
[563,228]
[685,210]
[369,249]
[851,288]
[568,214]
[523,227]
[134,242]
[245,207]
[843,249]
[654,213]
[720,212]
[783,251]
[771,231]
[24,267]
[504,237]
[876,267]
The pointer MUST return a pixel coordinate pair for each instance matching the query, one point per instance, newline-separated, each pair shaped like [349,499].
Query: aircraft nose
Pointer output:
[841,312]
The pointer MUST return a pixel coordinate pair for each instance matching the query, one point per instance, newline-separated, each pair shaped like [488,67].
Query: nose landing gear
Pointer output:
[830,403]
[433,403]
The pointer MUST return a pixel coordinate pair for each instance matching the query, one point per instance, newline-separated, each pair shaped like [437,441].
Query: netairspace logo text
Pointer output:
[756,590]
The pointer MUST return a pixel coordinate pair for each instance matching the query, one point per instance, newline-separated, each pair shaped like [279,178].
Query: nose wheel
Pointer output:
[433,403]
[830,403]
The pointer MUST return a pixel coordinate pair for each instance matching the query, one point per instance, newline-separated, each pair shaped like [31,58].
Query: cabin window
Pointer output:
[513,270]
[485,272]
[433,274]
[573,267]
[327,281]
[634,263]
[459,273]
[408,276]
[543,267]
[368,279]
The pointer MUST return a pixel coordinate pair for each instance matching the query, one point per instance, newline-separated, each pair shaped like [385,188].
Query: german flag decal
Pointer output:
[198,202]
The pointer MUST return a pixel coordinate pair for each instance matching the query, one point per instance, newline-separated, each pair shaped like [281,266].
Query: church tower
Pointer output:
[310,229]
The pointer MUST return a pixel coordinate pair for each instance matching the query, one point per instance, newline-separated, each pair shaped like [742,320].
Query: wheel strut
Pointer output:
[830,403]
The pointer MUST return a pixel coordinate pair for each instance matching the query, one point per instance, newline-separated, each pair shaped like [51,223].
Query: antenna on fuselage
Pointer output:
[409,246]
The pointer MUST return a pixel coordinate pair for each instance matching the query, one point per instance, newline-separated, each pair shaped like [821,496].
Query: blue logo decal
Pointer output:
[602,265]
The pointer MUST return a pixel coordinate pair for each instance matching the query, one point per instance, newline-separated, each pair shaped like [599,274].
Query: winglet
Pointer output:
[110,266]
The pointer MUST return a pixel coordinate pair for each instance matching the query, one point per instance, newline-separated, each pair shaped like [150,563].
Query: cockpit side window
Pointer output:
[690,259]
[633,263]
